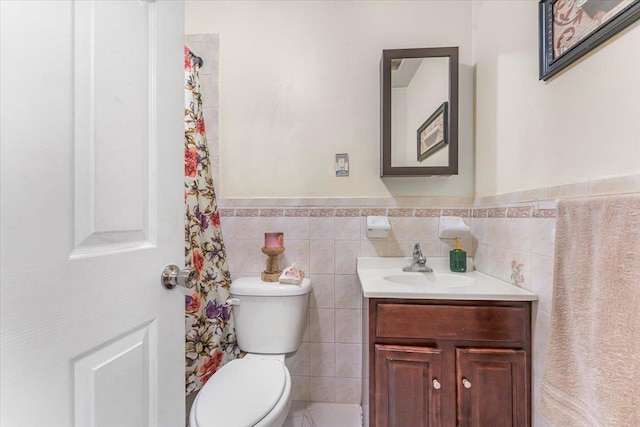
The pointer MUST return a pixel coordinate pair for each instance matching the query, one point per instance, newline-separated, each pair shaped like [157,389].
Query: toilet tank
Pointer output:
[269,317]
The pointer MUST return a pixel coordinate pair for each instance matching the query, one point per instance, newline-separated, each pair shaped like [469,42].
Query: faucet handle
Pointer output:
[417,251]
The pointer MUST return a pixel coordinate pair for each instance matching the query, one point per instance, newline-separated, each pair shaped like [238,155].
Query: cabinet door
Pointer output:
[407,386]
[493,388]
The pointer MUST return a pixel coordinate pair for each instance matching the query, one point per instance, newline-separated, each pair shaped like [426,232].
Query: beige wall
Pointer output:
[579,125]
[299,83]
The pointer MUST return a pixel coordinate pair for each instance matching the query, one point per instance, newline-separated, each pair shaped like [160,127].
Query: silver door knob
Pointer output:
[172,276]
[436,384]
[466,383]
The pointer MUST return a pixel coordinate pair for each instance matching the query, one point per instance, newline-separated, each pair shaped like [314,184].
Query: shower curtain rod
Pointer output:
[197,58]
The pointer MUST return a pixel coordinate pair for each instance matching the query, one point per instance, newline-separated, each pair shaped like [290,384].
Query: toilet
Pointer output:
[256,390]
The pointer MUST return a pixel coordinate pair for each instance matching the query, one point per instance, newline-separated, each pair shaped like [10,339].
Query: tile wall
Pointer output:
[512,238]
[325,242]
[513,242]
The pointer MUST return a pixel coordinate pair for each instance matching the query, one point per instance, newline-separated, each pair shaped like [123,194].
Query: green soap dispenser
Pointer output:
[458,258]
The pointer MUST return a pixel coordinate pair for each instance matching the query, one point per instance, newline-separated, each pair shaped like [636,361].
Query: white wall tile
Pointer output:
[323,291]
[543,236]
[497,232]
[322,359]
[296,228]
[321,325]
[425,228]
[348,325]
[300,388]
[321,228]
[346,252]
[228,227]
[401,228]
[298,361]
[248,256]
[403,248]
[347,228]
[580,189]
[321,389]
[481,260]
[306,334]
[373,247]
[496,263]
[542,280]
[321,257]
[248,228]
[296,251]
[519,234]
[479,229]
[348,390]
[615,185]
[541,336]
[348,360]
[348,293]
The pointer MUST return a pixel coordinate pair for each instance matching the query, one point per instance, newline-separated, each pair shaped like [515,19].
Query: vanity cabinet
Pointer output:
[449,363]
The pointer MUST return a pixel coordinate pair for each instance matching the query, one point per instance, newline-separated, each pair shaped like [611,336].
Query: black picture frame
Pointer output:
[438,144]
[550,66]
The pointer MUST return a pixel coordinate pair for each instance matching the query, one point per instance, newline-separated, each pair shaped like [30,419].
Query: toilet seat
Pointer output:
[242,392]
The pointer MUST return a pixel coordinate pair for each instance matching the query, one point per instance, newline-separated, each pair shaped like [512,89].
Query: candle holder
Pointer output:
[273,272]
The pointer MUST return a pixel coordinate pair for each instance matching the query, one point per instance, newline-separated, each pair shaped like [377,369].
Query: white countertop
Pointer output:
[441,284]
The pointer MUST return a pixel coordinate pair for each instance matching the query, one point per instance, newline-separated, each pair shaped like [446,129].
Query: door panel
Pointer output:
[92,210]
[114,75]
[405,392]
[492,387]
[108,389]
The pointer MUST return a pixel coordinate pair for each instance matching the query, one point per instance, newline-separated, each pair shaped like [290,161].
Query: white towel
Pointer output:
[592,368]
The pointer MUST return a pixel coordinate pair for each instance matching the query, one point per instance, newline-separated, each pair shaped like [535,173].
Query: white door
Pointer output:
[92,203]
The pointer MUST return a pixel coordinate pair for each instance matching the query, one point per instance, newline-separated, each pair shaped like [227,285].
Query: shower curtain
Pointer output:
[210,333]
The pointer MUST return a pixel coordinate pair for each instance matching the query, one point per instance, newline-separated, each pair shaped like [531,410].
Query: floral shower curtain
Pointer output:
[210,333]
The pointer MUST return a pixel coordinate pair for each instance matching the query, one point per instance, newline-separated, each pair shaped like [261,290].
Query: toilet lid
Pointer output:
[240,393]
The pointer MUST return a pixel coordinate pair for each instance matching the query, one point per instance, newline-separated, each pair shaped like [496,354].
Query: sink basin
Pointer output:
[430,279]
[382,277]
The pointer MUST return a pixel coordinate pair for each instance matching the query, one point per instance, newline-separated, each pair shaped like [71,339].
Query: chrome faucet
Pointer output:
[419,261]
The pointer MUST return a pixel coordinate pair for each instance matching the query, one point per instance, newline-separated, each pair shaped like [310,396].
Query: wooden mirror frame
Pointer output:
[386,170]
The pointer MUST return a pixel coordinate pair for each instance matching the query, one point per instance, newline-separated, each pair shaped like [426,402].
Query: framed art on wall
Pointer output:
[569,29]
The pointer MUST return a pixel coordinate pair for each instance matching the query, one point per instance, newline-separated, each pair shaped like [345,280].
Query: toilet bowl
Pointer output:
[253,391]
[256,390]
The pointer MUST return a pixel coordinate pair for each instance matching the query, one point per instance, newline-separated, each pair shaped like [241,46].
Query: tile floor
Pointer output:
[313,414]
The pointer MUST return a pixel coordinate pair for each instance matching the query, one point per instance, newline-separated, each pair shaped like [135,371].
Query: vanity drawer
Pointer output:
[475,323]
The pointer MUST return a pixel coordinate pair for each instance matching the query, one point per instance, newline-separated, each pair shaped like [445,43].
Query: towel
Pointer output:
[592,368]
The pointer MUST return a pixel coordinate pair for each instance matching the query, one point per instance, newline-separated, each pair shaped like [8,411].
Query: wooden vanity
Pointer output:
[449,363]
[455,357]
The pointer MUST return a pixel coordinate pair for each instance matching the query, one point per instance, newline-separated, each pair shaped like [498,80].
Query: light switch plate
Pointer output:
[342,164]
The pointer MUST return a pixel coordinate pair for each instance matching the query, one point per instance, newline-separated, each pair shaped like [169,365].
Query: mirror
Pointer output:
[419,108]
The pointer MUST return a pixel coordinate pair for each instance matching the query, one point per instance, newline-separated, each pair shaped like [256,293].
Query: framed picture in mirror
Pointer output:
[433,134]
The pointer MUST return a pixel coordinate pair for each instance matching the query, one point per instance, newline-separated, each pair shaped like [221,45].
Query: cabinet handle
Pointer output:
[436,384]
[466,383]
